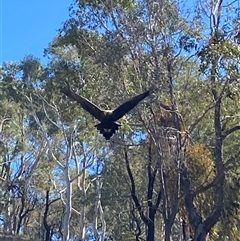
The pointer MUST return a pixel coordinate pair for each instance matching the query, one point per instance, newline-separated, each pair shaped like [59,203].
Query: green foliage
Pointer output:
[108,5]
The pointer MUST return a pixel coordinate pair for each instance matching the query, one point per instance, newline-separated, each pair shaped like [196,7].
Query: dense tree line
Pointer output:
[171,172]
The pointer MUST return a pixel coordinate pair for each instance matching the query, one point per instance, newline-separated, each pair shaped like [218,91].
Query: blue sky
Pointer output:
[27,26]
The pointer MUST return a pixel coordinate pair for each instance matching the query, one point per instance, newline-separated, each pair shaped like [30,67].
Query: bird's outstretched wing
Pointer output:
[85,103]
[128,105]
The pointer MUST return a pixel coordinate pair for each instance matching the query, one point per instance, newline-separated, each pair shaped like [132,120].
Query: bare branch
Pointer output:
[133,190]
[63,201]
[205,188]
[192,127]
[231,160]
[2,122]
[230,131]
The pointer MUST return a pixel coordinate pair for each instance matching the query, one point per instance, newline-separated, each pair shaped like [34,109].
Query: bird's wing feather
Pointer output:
[85,103]
[128,105]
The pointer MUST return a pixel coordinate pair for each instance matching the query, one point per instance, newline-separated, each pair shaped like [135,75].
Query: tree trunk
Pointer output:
[151,229]
[81,222]
[46,226]
[151,226]
[168,232]
[68,206]
[200,233]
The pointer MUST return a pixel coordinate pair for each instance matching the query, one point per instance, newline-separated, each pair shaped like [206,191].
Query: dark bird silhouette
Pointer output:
[108,125]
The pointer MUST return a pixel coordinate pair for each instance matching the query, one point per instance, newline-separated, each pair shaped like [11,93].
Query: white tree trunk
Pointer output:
[68,205]
[66,193]
[82,228]
[99,234]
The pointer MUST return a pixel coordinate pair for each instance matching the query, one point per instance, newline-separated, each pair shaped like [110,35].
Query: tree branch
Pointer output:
[133,190]
[230,131]
[200,117]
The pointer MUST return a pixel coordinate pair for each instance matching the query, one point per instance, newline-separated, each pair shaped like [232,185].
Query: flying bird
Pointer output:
[108,125]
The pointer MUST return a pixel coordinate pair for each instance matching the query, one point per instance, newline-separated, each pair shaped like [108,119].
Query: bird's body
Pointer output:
[108,125]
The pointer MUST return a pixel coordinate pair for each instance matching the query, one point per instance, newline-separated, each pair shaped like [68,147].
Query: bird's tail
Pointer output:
[107,133]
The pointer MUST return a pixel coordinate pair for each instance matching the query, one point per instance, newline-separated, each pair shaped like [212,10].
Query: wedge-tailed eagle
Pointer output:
[108,125]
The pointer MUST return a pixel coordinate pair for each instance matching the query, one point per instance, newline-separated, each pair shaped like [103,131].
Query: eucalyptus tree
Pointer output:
[20,152]
[140,39]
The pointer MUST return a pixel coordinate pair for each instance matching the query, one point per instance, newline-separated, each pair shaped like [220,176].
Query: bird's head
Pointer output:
[108,112]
